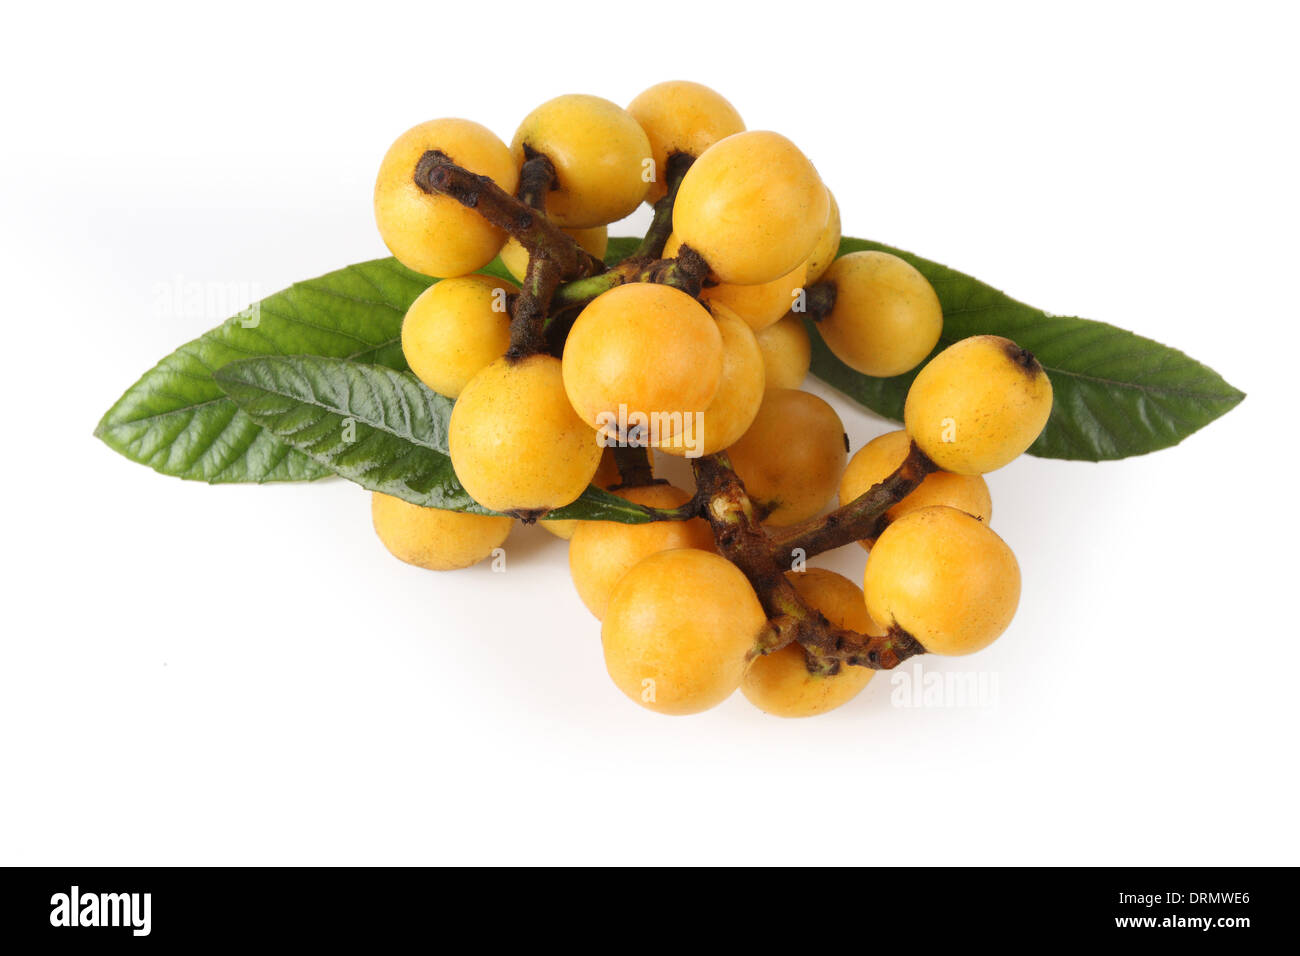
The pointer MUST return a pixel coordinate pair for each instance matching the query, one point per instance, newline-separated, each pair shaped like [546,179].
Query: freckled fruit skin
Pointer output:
[753,206]
[886,318]
[515,258]
[828,243]
[739,394]
[943,577]
[433,538]
[515,443]
[780,684]
[600,154]
[645,346]
[787,352]
[435,234]
[678,629]
[454,329]
[792,456]
[681,117]
[601,552]
[978,405]
[878,459]
[606,476]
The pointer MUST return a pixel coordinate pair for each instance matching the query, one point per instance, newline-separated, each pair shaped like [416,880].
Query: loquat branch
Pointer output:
[861,518]
[686,272]
[435,173]
[530,308]
[743,541]
[553,255]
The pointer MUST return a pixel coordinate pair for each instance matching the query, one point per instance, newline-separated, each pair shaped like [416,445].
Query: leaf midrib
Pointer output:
[334,410]
[103,428]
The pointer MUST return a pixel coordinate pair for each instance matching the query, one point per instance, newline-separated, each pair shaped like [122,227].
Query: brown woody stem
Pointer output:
[536,179]
[686,272]
[435,173]
[528,318]
[744,542]
[661,227]
[860,519]
[635,469]
[553,255]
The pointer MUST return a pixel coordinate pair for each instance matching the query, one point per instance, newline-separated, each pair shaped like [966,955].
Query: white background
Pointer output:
[194,674]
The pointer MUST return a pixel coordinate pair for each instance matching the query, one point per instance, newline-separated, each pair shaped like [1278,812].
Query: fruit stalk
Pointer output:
[860,519]
[661,226]
[435,173]
[536,179]
[743,541]
[635,469]
[553,256]
[686,272]
[529,310]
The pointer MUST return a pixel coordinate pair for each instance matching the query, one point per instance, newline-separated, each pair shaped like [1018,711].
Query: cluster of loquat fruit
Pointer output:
[701,334]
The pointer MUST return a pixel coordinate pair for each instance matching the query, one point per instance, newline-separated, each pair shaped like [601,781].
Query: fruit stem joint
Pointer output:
[743,541]
[435,173]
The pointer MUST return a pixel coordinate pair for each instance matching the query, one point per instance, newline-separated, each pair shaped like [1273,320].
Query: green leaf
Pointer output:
[378,427]
[374,425]
[177,420]
[619,248]
[1117,394]
[597,504]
